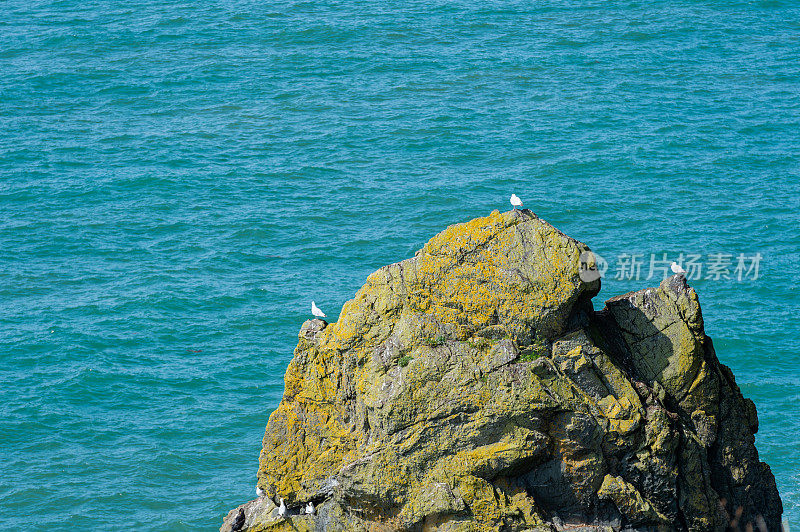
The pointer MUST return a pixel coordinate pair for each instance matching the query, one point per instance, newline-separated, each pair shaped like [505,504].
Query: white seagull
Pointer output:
[677,269]
[316,311]
[260,492]
[515,201]
[310,508]
[282,509]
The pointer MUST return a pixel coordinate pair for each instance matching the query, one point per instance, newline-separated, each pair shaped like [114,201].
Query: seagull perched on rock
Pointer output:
[282,509]
[310,508]
[316,311]
[260,492]
[515,201]
[677,269]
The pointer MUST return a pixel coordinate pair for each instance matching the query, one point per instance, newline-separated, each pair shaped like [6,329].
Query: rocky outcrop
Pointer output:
[473,387]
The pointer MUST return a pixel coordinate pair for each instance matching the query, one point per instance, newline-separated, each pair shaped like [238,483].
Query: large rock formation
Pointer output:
[473,387]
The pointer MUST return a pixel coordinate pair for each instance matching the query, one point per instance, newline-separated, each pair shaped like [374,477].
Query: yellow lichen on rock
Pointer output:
[473,387]
[511,272]
[629,501]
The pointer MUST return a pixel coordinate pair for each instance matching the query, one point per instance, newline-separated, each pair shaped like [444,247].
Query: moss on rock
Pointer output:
[472,387]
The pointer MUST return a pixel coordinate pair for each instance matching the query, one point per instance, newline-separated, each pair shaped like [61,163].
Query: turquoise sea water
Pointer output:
[179,179]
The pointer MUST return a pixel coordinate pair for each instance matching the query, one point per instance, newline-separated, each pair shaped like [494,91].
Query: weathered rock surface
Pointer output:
[473,387]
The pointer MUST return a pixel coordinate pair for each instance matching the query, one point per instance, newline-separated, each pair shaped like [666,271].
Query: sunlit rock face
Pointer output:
[473,387]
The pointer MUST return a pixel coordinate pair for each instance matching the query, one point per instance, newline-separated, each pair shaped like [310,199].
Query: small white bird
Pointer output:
[282,509]
[515,201]
[260,492]
[677,269]
[316,311]
[310,508]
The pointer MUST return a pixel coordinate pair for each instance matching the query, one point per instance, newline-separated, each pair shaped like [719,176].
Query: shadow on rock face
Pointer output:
[658,335]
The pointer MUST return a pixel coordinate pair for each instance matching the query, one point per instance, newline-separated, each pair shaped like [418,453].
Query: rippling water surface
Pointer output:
[179,179]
